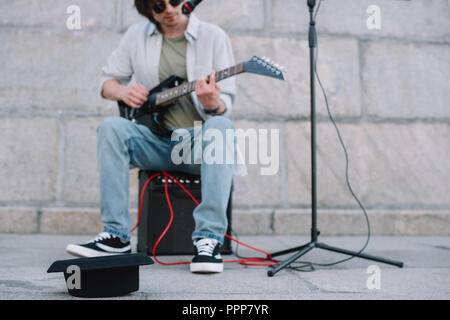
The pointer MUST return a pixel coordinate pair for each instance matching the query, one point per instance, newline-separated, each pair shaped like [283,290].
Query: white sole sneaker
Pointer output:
[206,267]
[83,252]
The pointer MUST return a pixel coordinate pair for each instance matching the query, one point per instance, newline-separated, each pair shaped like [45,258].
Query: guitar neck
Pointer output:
[185,88]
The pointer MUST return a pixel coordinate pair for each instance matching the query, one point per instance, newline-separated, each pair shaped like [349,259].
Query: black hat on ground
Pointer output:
[107,276]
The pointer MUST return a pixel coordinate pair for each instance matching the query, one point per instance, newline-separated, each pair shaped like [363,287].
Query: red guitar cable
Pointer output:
[245,261]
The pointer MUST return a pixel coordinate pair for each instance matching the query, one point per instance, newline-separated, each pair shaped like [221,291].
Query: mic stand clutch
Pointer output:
[314,243]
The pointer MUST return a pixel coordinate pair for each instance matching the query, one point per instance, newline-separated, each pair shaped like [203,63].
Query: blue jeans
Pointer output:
[123,144]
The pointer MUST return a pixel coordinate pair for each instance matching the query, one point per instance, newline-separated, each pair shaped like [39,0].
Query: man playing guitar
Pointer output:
[169,43]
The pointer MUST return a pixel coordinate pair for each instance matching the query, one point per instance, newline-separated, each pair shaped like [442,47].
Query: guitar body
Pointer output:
[149,114]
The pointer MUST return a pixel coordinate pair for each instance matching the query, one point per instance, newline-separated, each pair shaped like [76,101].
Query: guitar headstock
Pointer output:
[264,66]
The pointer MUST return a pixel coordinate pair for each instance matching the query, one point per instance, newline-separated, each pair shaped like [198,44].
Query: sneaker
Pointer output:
[207,258]
[102,245]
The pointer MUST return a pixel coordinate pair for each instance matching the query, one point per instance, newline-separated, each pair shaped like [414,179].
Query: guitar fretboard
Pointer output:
[185,88]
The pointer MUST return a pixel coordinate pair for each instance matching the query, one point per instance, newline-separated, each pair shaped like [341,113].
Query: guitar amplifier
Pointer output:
[155,215]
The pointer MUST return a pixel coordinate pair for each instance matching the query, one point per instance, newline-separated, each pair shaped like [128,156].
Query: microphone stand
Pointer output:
[314,243]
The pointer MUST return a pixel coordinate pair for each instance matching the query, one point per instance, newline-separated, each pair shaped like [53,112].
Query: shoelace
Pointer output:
[205,247]
[101,236]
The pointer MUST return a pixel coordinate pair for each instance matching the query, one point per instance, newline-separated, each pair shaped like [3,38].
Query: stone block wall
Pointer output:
[387,88]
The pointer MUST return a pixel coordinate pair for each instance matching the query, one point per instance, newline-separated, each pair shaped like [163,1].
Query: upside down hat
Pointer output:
[106,276]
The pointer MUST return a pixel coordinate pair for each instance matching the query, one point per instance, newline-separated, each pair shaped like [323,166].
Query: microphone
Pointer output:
[189,6]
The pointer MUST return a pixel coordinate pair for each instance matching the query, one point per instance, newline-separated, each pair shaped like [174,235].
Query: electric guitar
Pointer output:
[164,95]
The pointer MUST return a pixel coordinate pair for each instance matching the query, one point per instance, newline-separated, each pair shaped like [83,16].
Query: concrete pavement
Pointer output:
[24,260]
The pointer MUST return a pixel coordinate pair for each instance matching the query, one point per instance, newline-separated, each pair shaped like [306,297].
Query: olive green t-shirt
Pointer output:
[173,62]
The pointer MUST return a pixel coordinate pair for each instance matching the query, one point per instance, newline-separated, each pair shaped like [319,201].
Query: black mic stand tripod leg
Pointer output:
[359,254]
[283,252]
[302,250]
[309,246]
[305,249]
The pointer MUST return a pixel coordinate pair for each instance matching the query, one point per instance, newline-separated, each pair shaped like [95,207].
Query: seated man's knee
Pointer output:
[112,124]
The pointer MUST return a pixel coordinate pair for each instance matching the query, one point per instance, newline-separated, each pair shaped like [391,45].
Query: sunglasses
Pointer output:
[160,6]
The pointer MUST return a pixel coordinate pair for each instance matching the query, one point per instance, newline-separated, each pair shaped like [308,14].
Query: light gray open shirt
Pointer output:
[209,48]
